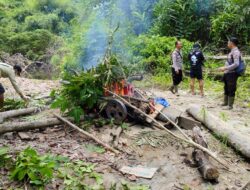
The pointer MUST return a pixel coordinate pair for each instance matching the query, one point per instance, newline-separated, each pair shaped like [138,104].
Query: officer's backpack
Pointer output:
[241,69]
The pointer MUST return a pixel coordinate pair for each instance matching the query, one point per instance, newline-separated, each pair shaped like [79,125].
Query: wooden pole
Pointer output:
[106,146]
[160,126]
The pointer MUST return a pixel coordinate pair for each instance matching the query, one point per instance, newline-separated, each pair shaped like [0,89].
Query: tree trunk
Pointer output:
[15,113]
[24,126]
[207,170]
[236,139]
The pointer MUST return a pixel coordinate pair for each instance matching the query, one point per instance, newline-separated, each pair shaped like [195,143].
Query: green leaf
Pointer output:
[76,113]
[3,150]
[21,174]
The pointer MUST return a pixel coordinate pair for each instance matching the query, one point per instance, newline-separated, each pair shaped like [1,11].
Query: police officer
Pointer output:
[196,59]
[230,76]
[177,61]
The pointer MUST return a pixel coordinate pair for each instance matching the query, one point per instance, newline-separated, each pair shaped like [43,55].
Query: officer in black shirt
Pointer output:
[196,59]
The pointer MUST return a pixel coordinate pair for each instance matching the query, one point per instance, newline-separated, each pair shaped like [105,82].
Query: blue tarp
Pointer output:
[162,101]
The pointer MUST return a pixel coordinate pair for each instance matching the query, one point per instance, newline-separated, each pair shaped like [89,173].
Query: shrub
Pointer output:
[155,52]
[36,169]
[49,22]
[32,44]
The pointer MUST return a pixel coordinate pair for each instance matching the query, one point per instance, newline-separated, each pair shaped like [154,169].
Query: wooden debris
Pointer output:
[139,171]
[235,138]
[106,146]
[24,136]
[177,116]
[156,113]
[207,170]
[185,139]
[30,125]
[15,113]
[187,122]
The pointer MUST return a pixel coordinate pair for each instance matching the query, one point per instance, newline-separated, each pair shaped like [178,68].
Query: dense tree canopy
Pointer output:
[78,31]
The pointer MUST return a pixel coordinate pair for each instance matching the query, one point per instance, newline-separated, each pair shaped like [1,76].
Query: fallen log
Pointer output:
[207,170]
[177,116]
[106,146]
[160,126]
[16,113]
[237,140]
[29,125]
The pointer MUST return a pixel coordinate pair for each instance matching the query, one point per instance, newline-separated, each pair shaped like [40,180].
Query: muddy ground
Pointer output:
[171,157]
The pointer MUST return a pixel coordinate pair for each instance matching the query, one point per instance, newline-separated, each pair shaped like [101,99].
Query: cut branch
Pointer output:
[107,147]
[160,126]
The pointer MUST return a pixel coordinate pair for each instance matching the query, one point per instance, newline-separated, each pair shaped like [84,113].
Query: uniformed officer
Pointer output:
[8,71]
[177,61]
[196,59]
[230,76]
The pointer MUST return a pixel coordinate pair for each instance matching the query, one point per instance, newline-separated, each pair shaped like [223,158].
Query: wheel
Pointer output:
[116,110]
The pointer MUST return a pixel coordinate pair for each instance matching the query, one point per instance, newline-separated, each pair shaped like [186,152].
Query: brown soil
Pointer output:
[169,155]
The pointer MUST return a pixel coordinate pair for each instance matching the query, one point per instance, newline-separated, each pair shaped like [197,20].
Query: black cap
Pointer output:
[234,40]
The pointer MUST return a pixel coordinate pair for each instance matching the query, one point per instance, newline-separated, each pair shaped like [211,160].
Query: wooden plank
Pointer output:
[183,119]
[158,107]
[187,122]
[172,113]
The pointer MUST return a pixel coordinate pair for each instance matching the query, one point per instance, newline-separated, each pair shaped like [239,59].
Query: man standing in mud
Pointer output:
[230,76]
[177,61]
[196,59]
[8,71]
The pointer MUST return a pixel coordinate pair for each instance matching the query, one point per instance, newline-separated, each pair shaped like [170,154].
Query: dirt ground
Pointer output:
[168,155]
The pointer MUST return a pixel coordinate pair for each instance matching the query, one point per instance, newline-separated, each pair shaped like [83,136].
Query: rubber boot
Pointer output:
[230,103]
[176,90]
[171,89]
[225,103]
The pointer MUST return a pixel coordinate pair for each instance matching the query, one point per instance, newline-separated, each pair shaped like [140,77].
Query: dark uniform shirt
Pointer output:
[196,59]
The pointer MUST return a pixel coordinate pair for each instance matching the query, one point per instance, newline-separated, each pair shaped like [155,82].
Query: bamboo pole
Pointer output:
[106,146]
[160,126]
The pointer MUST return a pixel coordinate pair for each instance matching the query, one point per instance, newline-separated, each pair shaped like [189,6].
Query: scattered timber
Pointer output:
[185,138]
[207,170]
[156,113]
[16,113]
[237,140]
[177,116]
[106,146]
